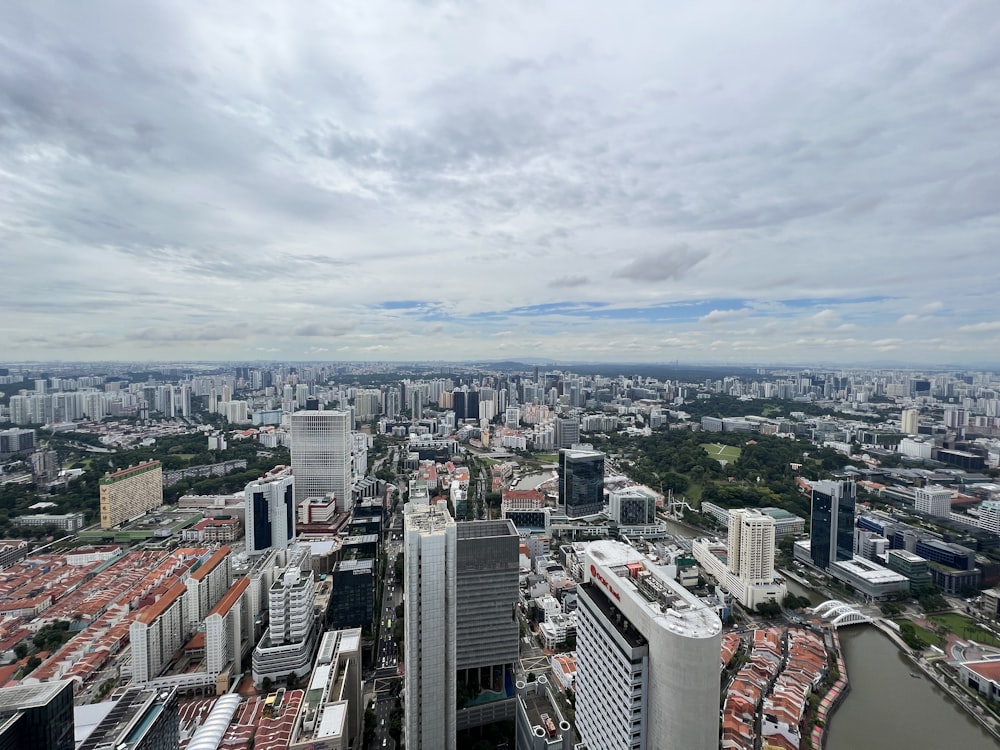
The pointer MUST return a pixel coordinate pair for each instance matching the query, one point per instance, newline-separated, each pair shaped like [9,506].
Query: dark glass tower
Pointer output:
[581,482]
[831,535]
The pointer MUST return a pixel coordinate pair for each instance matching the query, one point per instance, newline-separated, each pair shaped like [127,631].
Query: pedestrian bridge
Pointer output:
[839,613]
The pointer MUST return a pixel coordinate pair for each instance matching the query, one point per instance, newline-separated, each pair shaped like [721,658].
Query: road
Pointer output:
[387,667]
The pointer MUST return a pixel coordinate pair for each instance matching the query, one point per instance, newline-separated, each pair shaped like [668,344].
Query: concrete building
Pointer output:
[647,657]
[157,633]
[430,539]
[869,579]
[831,534]
[287,644]
[581,482]
[567,432]
[321,455]
[933,500]
[270,511]
[486,595]
[228,634]
[206,585]
[910,421]
[71,522]
[332,715]
[540,723]
[130,493]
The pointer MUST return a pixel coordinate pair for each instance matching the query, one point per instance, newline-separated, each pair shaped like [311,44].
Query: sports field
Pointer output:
[727,453]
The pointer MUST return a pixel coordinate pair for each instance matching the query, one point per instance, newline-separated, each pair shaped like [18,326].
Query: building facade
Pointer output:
[647,657]
[130,493]
[321,455]
[270,511]
[581,482]
[831,534]
[430,538]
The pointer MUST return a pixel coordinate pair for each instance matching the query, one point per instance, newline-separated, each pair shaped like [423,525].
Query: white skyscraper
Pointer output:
[909,421]
[751,546]
[647,657]
[321,455]
[430,606]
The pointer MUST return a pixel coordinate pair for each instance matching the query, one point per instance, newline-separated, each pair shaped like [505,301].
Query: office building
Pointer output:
[430,538]
[567,432]
[353,601]
[270,511]
[39,717]
[321,455]
[933,500]
[831,533]
[130,493]
[632,506]
[142,719]
[581,482]
[647,657]
[486,597]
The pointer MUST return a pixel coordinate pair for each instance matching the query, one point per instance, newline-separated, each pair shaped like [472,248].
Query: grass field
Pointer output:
[964,628]
[728,453]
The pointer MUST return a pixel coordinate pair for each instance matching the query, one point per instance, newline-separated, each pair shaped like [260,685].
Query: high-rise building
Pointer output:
[321,455]
[353,602]
[647,657]
[270,511]
[39,717]
[130,493]
[287,644]
[486,597]
[910,421]
[581,482]
[228,628]
[567,432]
[751,545]
[831,533]
[430,625]
[157,633]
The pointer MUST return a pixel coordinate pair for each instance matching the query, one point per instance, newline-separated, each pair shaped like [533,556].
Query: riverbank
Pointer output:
[834,696]
[949,686]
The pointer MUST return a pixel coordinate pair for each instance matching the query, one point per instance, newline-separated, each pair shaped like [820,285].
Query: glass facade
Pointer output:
[581,482]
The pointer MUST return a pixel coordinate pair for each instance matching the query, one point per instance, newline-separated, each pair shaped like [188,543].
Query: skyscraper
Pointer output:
[486,635]
[39,717]
[270,511]
[430,619]
[831,534]
[751,545]
[321,455]
[581,482]
[647,657]
[910,421]
[567,432]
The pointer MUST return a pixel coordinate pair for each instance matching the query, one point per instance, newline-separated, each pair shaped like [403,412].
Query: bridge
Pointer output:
[838,613]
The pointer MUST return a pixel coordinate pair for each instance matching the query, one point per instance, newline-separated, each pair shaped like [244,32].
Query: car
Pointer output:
[385,742]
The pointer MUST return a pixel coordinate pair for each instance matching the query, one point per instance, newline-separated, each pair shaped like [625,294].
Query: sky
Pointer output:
[702,182]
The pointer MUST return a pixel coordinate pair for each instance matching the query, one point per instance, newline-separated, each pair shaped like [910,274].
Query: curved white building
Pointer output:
[647,657]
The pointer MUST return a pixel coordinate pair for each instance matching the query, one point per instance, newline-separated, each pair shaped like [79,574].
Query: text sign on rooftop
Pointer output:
[595,573]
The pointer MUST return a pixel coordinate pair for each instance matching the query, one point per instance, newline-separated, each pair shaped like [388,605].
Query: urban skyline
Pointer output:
[607,185]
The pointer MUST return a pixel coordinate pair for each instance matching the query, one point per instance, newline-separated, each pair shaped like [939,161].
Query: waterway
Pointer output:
[887,708]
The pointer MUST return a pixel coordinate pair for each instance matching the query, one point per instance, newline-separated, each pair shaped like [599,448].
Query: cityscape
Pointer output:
[360,555]
[446,375]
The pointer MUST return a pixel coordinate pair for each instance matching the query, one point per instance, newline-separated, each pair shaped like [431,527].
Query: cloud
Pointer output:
[569,282]
[908,319]
[720,316]
[993,325]
[664,266]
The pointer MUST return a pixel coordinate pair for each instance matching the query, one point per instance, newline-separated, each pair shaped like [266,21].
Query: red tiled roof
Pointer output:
[229,598]
[149,614]
[211,563]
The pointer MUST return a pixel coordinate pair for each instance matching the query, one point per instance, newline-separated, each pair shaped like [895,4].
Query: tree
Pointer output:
[292,680]
[266,684]
[769,609]
[21,650]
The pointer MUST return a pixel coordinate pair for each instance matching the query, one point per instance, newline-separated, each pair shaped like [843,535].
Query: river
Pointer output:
[886,707]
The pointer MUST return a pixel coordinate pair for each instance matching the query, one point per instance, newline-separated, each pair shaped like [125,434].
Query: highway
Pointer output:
[387,667]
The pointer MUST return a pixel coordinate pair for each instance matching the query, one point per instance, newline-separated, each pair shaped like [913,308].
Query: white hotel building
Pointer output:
[647,657]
